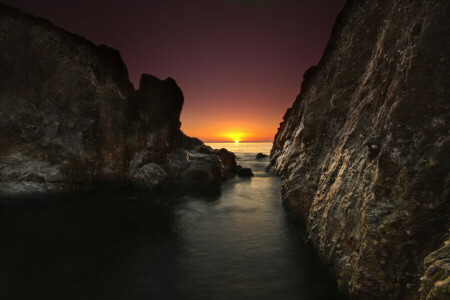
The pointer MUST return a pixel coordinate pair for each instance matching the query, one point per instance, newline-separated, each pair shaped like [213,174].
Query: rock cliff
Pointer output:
[364,150]
[70,116]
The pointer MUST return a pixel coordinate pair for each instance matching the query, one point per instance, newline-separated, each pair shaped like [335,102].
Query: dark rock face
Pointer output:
[228,159]
[191,170]
[71,117]
[244,172]
[153,120]
[62,102]
[364,150]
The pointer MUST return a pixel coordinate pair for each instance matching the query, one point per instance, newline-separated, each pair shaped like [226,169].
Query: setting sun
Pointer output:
[236,141]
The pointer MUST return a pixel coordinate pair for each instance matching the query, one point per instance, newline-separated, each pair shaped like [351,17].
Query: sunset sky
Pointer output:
[239,63]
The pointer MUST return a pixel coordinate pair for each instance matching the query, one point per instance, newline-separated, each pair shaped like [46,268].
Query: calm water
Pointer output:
[123,244]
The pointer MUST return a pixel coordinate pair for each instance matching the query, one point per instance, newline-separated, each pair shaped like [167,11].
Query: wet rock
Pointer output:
[228,159]
[244,172]
[261,156]
[200,171]
[150,176]
[366,144]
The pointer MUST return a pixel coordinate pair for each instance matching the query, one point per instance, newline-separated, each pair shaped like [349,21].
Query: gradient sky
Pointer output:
[239,62]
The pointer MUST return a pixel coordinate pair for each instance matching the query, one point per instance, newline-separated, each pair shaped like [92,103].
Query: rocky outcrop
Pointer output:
[194,171]
[62,102]
[71,117]
[244,172]
[153,120]
[261,156]
[436,280]
[364,150]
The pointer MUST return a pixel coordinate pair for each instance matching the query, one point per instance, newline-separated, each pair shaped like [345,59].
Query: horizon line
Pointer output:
[240,142]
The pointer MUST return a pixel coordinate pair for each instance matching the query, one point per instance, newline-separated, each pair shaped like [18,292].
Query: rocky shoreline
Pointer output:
[70,117]
[364,150]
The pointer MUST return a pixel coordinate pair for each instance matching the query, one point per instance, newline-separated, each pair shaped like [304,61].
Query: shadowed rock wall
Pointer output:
[70,116]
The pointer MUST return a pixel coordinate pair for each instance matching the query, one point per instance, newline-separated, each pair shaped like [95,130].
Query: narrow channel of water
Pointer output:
[125,244]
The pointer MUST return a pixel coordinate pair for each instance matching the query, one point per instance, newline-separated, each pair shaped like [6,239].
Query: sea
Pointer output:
[120,243]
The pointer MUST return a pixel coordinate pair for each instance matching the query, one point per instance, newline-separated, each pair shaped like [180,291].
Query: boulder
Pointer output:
[150,176]
[228,159]
[199,171]
[261,155]
[244,172]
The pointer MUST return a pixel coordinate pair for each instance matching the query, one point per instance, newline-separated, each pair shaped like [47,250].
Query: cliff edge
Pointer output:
[364,150]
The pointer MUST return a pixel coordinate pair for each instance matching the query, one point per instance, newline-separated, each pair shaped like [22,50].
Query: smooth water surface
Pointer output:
[125,244]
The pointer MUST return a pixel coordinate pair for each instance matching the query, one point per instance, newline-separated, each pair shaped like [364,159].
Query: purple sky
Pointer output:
[239,63]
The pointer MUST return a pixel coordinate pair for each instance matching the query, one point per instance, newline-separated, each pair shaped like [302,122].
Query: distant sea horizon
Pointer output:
[240,142]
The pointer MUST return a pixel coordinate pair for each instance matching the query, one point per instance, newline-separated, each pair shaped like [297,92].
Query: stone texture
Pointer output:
[228,159]
[70,116]
[196,171]
[150,176]
[364,150]
[436,280]
[153,120]
[62,100]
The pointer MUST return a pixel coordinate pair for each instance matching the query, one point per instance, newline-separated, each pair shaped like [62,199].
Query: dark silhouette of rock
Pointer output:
[62,100]
[261,156]
[153,120]
[228,159]
[363,151]
[191,143]
[244,172]
[71,117]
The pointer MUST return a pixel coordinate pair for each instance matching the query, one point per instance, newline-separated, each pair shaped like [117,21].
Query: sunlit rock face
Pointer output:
[364,150]
[70,116]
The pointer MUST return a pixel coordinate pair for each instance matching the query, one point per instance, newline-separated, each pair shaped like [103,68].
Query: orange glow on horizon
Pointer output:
[220,122]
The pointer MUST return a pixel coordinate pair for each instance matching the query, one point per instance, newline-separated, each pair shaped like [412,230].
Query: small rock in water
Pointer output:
[244,172]
[261,155]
